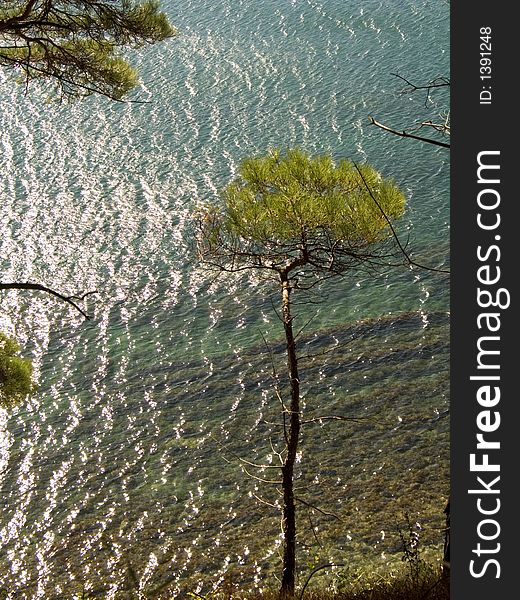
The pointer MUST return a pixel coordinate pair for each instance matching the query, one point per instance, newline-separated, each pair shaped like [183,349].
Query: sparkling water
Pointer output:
[126,470]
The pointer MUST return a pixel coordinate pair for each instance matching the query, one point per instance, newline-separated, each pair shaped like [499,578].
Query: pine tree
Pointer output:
[77,44]
[298,219]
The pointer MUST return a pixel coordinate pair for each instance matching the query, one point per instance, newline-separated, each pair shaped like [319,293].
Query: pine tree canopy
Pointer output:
[77,44]
[292,206]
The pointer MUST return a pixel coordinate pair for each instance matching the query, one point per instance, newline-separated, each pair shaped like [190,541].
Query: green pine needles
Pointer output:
[292,206]
[77,44]
[277,196]
[15,373]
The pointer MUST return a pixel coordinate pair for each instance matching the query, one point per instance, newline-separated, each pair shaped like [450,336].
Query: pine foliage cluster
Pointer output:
[77,44]
[290,205]
[15,373]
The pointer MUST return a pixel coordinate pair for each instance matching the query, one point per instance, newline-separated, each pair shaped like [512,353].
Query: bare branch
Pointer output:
[405,254]
[316,570]
[240,459]
[434,83]
[340,418]
[277,388]
[314,530]
[279,454]
[443,127]
[323,512]
[269,481]
[270,504]
[405,134]
[305,325]
[15,285]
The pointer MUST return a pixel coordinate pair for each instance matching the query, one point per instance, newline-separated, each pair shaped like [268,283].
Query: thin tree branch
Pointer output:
[276,388]
[305,325]
[270,504]
[340,418]
[269,481]
[435,83]
[405,254]
[15,285]
[323,512]
[279,454]
[240,459]
[314,531]
[316,571]
[405,134]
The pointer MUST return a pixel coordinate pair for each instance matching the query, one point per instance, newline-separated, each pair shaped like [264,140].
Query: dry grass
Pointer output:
[420,581]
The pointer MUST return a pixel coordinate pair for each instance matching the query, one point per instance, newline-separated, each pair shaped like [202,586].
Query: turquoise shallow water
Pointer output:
[114,473]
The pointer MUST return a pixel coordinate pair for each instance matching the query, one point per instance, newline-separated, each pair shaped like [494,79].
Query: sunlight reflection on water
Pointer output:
[115,466]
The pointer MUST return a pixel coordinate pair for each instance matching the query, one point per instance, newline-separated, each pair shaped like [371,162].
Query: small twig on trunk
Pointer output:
[270,504]
[339,418]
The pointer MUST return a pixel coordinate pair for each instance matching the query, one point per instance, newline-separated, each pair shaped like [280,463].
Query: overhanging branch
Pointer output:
[394,233]
[37,287]
[405,134]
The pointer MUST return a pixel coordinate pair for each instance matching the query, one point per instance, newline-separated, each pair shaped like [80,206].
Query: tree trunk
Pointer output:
[292,438]
[446,557]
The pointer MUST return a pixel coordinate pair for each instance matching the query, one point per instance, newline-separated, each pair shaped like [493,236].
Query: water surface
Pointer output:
[124,471]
